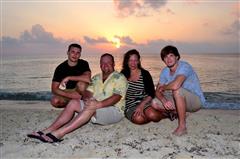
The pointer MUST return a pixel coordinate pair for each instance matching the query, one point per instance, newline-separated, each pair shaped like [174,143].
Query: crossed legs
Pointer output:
[60,101]
[66,122]
[150,114]
[80,119]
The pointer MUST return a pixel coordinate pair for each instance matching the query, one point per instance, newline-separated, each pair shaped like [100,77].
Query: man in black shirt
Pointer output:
[70,77]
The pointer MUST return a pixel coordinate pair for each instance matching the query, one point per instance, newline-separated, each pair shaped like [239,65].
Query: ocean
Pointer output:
[29,77]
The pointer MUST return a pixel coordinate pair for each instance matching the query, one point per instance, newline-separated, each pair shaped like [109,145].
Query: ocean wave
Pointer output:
[222,105]
[219,97]
[215,100]
[41,96]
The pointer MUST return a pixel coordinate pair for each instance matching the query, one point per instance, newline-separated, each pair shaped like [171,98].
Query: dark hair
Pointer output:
[107,54]
[169,49]
[125,68]
[74,45]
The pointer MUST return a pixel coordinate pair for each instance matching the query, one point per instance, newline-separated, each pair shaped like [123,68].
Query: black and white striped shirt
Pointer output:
[135,93]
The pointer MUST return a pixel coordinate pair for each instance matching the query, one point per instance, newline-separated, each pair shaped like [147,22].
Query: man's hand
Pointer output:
[74,95]
[160,88]
[92,104]
[64,83]
[168,105]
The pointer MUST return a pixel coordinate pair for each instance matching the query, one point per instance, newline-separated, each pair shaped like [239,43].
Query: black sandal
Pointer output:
[172,115]
[53,138]
[39,136]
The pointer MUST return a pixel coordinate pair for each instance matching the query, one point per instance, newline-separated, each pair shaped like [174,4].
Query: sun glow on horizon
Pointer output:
[116,41]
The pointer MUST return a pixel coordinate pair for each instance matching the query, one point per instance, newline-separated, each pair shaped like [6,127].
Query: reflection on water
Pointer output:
[217,73]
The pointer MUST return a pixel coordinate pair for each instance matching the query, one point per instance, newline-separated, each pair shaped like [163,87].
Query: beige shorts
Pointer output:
[105,116]
[193,102]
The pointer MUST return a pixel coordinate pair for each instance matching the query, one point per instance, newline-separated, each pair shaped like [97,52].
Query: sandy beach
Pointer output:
[211,134]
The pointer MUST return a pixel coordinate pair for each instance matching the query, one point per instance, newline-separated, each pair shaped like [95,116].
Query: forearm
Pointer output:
[145,101]
[161,97]
[58,92]
[170,86]
[82,78]
[66,94]
[87,95]
[109,101]
[175,84]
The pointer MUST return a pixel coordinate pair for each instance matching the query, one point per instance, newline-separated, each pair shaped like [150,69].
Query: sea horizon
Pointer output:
[29,77]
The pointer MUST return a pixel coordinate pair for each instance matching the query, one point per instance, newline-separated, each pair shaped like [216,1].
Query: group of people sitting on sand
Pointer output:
[109,96]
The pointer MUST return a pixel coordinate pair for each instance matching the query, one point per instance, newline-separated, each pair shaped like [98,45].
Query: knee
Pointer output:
[73,104]
[81,87]
[139,120]
[153,116]
[55,102]
[157,106]
[58,103]
[177,92]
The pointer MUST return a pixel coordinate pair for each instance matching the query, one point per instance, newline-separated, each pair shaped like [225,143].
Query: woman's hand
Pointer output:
[139,110]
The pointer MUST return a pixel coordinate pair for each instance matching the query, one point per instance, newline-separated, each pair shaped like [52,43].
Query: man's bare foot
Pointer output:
[180,131]
[35,134]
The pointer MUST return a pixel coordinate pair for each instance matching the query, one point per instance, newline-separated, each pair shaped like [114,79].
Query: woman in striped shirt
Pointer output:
[140,91]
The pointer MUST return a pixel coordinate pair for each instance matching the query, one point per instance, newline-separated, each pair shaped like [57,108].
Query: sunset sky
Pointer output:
[194,26]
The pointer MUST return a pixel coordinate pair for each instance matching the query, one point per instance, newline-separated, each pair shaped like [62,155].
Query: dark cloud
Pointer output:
[233,29]
[35,41]
[8,40]
[38,35]
[126,8]
[169,11]
[39,41]
[192,2]
[206,24]
[155,4]
[125,40]
[155,46]
[93,41]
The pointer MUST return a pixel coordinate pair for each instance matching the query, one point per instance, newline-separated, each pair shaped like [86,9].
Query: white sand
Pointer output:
[211,134]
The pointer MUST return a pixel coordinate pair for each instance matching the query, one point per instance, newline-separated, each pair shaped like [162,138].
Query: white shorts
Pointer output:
[105,116]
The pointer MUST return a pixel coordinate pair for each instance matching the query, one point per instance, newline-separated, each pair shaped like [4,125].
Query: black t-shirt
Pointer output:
[63,70]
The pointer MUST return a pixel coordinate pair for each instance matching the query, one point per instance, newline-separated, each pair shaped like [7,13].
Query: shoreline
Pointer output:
[212,133]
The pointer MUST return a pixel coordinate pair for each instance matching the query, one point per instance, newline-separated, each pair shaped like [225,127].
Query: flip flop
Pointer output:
[171,115]
[53,138]
[40,133]
[39,136]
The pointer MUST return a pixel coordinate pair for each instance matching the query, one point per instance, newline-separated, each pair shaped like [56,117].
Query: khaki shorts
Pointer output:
[105,116]
[193,102]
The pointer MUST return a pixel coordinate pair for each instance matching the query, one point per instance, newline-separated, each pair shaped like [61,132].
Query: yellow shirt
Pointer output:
[116,83]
